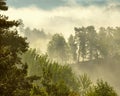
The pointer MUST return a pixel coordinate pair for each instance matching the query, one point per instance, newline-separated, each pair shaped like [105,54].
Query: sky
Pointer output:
[51,4]
[61,16]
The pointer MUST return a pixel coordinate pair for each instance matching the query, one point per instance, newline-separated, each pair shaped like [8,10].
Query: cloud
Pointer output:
[44,4]
[64,19]
[51,4]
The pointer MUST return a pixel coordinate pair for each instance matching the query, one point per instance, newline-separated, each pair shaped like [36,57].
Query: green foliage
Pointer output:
[102,89]
[81,40]
[84,83]
[93,45]
[58,80]
[55,78]
[92,42]
[102,42]
[37,91]
[5,23]
[88,44]
[86,39]
[58,48]
[31,58]
[13,73]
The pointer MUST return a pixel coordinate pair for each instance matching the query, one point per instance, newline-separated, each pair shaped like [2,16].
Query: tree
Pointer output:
[92,42]
[13,73]
[45,68]
[72,47]
[84,83]
[81,40]
[58,48]
[102,43]
[3,5]
[56,79]
[87,43]
[59,80]
[107,44]
[116,42]
[102,89]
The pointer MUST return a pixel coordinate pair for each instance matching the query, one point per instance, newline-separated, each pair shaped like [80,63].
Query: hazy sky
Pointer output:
[61,16]
[51,4]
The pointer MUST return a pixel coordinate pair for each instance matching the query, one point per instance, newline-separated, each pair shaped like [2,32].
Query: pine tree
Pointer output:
[13,73]
[3,5]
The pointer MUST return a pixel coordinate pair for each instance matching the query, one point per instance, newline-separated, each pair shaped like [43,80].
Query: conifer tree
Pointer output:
[13,73]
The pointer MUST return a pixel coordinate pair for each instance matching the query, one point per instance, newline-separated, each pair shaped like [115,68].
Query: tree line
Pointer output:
[87,44]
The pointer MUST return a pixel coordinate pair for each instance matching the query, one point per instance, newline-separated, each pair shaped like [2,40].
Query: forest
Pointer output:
[68,67]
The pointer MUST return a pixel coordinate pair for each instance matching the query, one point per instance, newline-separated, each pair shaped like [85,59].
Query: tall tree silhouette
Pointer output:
[72,47]
[81,40]
[13,73]
[91,42]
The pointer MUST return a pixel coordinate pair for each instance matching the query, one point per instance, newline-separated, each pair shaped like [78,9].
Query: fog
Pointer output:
[63,20]
[106,71]
[37,38]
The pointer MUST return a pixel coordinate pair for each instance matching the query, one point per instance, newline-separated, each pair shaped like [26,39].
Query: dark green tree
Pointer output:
[3,5]
[13,73]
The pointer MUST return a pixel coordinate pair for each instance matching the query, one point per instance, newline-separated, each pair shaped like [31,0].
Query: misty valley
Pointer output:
[36,62]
